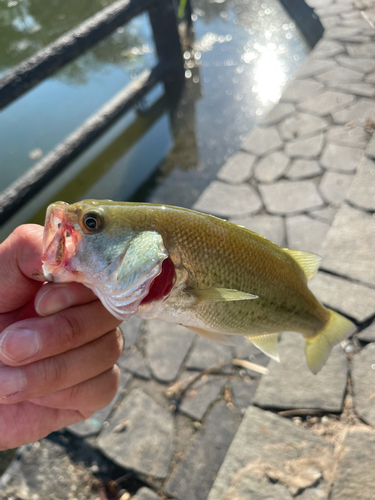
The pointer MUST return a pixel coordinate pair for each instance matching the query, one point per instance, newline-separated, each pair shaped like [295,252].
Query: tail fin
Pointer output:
[318,348]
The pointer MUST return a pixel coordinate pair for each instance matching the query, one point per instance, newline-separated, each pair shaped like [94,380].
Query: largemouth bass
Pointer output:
[193,269]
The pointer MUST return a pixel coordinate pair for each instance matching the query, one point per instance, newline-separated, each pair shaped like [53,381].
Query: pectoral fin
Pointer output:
[267,343]
[219,294]
[217,337]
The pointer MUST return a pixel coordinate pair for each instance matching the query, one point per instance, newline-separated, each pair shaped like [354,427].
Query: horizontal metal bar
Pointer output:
[25,187]
[66,48]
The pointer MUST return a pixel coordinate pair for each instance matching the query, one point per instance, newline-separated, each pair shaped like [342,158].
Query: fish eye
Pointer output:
[93,222]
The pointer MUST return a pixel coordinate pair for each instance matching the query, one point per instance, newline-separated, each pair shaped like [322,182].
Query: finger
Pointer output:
[39,338]
[21,266]
[60,372]
[53,298]
[89,396]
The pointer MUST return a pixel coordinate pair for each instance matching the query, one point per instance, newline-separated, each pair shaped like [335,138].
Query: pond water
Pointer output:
[241,56]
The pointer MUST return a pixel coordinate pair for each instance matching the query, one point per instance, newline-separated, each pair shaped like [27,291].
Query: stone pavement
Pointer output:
[191,421]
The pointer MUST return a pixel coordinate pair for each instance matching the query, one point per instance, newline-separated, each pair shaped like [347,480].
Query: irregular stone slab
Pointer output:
[207,353]
[271,167]
[358,114]
[304,233]
[201,396]
[365,65]
[277,113]
[166,348]
[93,424]
[370,78]
[256,466]
[131,331]
[341,158]
[132,361]
[352,299]
[331,10]
[309,147]
[368,334]
[238,168]
[363,377]
[325,49]
[297,90]
[290,384]
[326,103]
[342,32]
[330,22]
[193,478]
[338,75]
[370,150]
[313,67]
[288,197]
[301,124]
[352,477]
[245,349]
[262,140]
[365,50]
[269,226]
[228,201]
[146,494]
[326,214]
[146,442]
[303,169]
[243,392]
[352,136]
[360,89]
[349,245]
[362,189]
[333,187]
[45,471]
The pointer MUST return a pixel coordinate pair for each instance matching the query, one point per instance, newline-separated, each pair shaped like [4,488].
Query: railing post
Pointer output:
[167,41]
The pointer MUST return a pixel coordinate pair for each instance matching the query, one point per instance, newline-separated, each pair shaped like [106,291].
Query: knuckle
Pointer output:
[118,343]
[68,327]
[54,372]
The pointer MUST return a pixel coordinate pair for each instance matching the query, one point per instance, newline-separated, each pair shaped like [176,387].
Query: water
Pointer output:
[242,55]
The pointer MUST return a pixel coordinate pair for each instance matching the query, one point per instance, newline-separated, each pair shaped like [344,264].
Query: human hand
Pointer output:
[58,346]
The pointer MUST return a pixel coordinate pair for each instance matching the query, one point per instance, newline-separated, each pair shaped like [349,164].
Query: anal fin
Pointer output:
[267,343]
[217,337]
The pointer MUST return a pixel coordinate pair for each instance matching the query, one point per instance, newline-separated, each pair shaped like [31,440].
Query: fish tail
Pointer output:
[318,348]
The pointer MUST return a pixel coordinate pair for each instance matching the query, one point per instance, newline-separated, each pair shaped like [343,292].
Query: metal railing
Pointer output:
[169,70]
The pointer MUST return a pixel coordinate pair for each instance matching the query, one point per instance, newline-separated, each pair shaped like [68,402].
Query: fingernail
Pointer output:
[19,345]
[56,298]
[12,380]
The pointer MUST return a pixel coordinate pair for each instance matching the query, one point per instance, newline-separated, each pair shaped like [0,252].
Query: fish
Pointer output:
[193,269]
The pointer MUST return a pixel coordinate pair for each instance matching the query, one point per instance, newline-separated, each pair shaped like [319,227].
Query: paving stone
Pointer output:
[341,158]
[267,461]
[44,471]
[357,114]
[131,331]
[325,49]
[333,187]
[132,361]
[338,75]
[145,494]
[326,103]
[245,349]
[226,200]
[290,197]
[290,384]
[352,299]
[269,226]
[330,22]
[360,64]
[341,32]
[353,136]
[370,150]
[352,14]
[362,50]
[271,167]
[368,334]
[370,78]
[352,479]
[301,124]
[238,168]
[360,89]
[277,113]
[318,3]
[297,90]
[333,9]
[243,392]
[207,353]
[313,67]
[308,147]
[166,348]
[201,395]
[348,247]
[93,424]
[145,444]
[194,475]
[304,233]
[363,377]
[262,140]
[303,169]
[362,189]
[326,214]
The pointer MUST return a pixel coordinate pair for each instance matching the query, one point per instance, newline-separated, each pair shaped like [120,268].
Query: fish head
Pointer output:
[91,242]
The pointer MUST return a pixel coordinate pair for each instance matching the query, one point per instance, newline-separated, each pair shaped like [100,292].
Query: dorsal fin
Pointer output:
[308,261]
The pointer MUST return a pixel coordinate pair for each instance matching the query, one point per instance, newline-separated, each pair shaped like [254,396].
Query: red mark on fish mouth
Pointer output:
[162,285]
